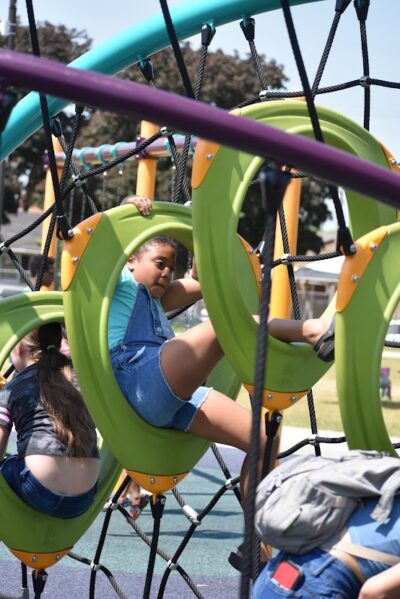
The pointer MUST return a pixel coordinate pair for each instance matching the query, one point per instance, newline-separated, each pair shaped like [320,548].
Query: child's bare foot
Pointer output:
[315,328]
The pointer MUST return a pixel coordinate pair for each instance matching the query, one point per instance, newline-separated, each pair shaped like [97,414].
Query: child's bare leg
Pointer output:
[307,331]
[221,420]
[188,359]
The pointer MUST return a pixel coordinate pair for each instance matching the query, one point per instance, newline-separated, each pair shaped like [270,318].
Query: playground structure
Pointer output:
[229,277]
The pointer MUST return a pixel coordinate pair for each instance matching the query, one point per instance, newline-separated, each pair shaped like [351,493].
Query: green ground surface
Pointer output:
[327,406]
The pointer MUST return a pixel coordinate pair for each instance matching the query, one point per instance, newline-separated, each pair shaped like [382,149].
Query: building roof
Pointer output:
[326,271]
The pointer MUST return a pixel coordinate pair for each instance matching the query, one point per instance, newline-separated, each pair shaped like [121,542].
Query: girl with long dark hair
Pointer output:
[57,465]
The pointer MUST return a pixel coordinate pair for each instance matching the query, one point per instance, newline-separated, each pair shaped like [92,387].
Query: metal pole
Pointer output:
[10,28]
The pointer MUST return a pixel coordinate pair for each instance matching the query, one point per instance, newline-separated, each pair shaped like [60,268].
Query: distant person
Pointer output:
[131,498]
[385,384]
[48,274]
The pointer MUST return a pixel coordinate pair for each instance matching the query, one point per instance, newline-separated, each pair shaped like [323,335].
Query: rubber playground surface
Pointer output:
[125,554]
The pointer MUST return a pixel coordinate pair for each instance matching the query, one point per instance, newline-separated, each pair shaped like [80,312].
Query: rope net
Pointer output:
[74,201]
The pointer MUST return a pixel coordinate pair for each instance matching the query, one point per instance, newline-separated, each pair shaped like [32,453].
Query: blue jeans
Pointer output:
[30,490]
[324,577]
[136,365]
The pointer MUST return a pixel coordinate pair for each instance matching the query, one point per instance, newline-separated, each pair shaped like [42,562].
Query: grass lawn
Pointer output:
[327,406]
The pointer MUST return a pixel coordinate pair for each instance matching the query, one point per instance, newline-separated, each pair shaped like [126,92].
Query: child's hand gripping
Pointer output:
[142,204]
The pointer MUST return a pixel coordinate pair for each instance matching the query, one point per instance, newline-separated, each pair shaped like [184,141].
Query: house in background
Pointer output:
[317,284]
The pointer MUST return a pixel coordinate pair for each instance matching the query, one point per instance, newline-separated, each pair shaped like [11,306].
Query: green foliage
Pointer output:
[228,81]
[25,167]
[313,212]
[56,42]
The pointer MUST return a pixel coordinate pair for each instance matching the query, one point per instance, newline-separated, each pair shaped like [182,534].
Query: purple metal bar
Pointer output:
[182,114]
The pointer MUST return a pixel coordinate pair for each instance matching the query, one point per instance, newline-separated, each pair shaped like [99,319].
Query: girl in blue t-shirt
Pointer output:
[162,376]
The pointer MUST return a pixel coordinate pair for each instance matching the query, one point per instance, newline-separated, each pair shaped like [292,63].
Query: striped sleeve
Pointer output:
[5,415]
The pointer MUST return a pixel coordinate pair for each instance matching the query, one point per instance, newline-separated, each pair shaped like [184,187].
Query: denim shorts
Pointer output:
[32,492]
[140,377]
[324,577]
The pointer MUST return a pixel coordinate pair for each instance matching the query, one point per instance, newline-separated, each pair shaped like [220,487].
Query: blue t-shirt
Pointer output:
[367,532]
[122,304]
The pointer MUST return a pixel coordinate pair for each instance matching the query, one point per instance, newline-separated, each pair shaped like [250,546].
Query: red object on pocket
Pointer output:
[287,575]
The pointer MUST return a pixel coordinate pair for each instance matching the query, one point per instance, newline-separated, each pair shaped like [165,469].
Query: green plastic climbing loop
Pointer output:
[221,177]
[91,264]
[361,326]
[37,539]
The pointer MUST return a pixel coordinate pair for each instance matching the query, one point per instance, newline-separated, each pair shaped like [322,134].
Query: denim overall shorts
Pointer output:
[136,365]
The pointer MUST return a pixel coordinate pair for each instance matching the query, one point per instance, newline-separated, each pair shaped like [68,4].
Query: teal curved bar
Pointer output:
[129,47]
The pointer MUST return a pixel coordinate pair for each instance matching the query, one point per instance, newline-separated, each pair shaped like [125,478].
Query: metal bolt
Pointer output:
[394,161]
[89,230]
[210,156]
[355,278]
[373,246]
[58,557]
[35,558]
[152,480]
[269,395]
[293,398]
[353,249]
[75,260]
[175,480]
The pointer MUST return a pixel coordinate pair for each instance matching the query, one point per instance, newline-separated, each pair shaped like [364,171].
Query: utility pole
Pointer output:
[9,33]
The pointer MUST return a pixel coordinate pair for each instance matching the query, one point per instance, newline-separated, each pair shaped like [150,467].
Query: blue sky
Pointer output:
[102,20]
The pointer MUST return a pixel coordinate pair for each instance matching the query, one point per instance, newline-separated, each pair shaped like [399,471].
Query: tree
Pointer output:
[313,212]
[228,81]
[25,169]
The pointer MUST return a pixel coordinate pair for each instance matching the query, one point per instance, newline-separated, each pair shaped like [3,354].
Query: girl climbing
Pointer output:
[161,375]
[57,465]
